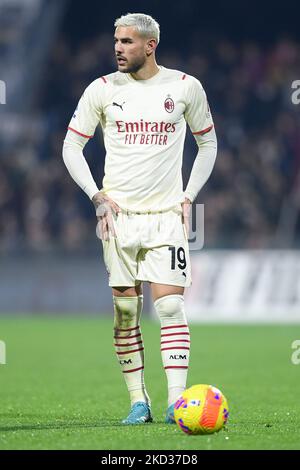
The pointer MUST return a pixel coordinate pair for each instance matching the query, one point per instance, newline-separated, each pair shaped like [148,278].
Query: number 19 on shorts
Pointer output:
[178,258]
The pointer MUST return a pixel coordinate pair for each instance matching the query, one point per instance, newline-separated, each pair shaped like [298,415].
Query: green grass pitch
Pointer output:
[62,389]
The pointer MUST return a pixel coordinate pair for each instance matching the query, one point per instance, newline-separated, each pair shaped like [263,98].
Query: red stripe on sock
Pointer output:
[129,352]
[127,344]
[127,337]
[175,334]
[132,370]
[128,329]
[176,367]
[176,341]
[175,347]
[174,326]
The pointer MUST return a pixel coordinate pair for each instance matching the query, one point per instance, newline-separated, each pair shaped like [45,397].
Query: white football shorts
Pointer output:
[150,247]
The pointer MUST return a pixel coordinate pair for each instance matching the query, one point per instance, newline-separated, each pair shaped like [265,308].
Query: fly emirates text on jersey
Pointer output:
[146,132]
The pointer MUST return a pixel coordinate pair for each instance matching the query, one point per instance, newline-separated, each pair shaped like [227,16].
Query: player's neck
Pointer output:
[146,72]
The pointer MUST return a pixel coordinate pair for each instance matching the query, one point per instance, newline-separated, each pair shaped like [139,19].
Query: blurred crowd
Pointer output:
[256,177]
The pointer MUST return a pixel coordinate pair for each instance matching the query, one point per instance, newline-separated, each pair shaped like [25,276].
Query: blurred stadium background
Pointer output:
[247,55]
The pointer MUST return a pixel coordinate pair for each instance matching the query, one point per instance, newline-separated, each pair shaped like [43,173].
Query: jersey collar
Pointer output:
[149,81]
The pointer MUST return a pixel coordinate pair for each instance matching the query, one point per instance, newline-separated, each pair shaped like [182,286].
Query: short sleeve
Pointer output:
[197,113]
[87,115]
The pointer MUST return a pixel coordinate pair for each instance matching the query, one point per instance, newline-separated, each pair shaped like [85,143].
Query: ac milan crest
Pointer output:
[169,104]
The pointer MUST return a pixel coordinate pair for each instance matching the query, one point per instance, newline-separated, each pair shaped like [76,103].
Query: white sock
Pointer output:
[175,343]
[129,345]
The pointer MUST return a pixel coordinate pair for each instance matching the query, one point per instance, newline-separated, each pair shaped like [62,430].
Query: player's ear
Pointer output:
[150,46]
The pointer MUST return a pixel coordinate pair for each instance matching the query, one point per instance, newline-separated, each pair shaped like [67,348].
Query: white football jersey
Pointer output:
[144,127]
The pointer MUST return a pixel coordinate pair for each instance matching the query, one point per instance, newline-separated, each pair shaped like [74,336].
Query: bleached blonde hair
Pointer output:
[144,24]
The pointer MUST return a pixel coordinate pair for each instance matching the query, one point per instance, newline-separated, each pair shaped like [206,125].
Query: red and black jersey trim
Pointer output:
[204,131]
[80,133]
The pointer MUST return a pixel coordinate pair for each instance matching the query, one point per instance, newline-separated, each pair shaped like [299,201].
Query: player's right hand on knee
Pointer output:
[104,207]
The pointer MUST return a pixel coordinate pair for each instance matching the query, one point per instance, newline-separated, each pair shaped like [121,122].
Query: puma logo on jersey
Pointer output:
[119,105]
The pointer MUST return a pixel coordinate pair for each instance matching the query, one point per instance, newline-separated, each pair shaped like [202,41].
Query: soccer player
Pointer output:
[142,210]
